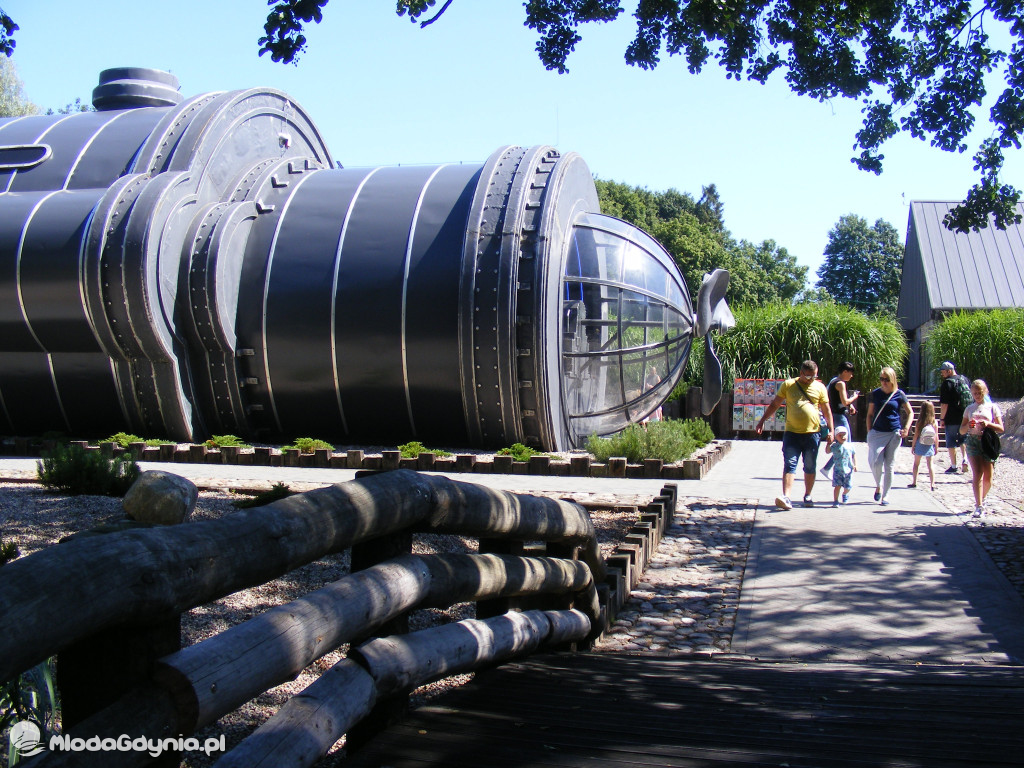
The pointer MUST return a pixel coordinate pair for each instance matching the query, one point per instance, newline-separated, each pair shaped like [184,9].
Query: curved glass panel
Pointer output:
[626,322]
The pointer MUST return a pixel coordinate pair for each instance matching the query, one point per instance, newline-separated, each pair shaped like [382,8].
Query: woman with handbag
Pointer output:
[887,404]
[980,417]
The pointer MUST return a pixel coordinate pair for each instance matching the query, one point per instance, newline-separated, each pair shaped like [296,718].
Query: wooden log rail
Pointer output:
[64,594]
[144,575]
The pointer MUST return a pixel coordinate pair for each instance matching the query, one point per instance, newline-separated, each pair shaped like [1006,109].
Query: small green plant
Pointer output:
[123,439]
[30,696]
[276,492]
[155,442]
[679,393]
[520,452]
[669,441]
[8,551]
[309,445]
[225,441]
[699,430]
[415,448]
[73,470]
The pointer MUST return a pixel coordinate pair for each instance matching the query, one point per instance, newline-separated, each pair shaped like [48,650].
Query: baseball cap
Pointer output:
[841,431]
[947,366]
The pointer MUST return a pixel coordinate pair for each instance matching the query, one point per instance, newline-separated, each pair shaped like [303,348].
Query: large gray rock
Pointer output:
[161,498]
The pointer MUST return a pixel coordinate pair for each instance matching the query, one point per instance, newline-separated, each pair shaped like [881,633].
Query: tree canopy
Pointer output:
[863,265]
[916,67]
[13,102]
[693,232]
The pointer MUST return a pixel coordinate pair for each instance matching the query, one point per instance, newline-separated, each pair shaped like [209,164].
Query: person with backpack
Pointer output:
[981,416]
[954,397]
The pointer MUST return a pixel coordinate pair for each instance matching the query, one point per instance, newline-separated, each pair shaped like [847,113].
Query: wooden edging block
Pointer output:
[540,465]
[624,562]
[643,544]
[656,518]
[579,466]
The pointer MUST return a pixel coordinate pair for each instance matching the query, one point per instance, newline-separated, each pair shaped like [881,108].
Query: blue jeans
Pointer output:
[795,445]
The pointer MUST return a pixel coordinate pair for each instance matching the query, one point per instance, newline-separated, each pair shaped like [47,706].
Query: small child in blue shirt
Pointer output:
[845,464]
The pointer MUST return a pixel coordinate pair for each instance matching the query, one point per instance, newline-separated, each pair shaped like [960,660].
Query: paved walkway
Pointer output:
[907,582]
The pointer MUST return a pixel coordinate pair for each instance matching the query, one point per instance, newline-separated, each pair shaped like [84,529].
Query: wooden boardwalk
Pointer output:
[616,711]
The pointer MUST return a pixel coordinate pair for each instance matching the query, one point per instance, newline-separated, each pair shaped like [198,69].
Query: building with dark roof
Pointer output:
[945,271]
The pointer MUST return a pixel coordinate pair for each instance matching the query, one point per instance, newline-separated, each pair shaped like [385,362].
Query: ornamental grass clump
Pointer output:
[770,342]
[985,345]
[75,471]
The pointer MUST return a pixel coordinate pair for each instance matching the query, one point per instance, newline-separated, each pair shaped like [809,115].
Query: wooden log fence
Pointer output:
[65,595]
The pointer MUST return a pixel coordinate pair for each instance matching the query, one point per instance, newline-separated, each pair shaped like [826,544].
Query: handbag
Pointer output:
[990,444]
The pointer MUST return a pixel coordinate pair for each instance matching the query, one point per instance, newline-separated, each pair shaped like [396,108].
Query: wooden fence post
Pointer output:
[96,671]
[392,709]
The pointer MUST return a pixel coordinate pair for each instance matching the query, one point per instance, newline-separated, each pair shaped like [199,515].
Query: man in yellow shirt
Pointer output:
[806,403]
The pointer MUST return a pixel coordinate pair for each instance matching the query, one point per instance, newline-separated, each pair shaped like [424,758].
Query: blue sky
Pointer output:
[384,91]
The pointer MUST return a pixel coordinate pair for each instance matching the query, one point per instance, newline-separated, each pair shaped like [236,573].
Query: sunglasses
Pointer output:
[884,378]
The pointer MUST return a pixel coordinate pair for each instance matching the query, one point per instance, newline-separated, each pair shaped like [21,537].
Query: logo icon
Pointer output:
[25,737]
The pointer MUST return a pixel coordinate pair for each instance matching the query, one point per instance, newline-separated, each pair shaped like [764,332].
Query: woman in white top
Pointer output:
[980,414]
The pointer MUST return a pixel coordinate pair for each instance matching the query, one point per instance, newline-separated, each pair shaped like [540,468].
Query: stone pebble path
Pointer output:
[688,597]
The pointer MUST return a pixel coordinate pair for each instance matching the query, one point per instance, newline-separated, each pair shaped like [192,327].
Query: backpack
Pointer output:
[963,388]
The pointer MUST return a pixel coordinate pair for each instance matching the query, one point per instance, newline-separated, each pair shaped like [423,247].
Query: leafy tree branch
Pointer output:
[916,66]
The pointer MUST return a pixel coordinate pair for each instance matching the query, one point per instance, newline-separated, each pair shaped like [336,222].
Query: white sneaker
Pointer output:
[783,502]
[826,472]
[979,511]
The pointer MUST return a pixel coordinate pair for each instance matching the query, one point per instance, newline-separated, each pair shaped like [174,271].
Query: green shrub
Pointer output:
[123,439]
[415,448]
[309,445]
[276,492]
[225,441]
[679,393]
[699,430]
[8,551]
[982,345]
[155,442]
[669,441]
[520,452]
[76,471]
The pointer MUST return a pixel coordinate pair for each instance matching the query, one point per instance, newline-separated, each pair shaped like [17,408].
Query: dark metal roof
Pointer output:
[945,271]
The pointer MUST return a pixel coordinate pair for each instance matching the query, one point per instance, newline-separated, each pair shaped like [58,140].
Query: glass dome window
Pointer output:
[626,325]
